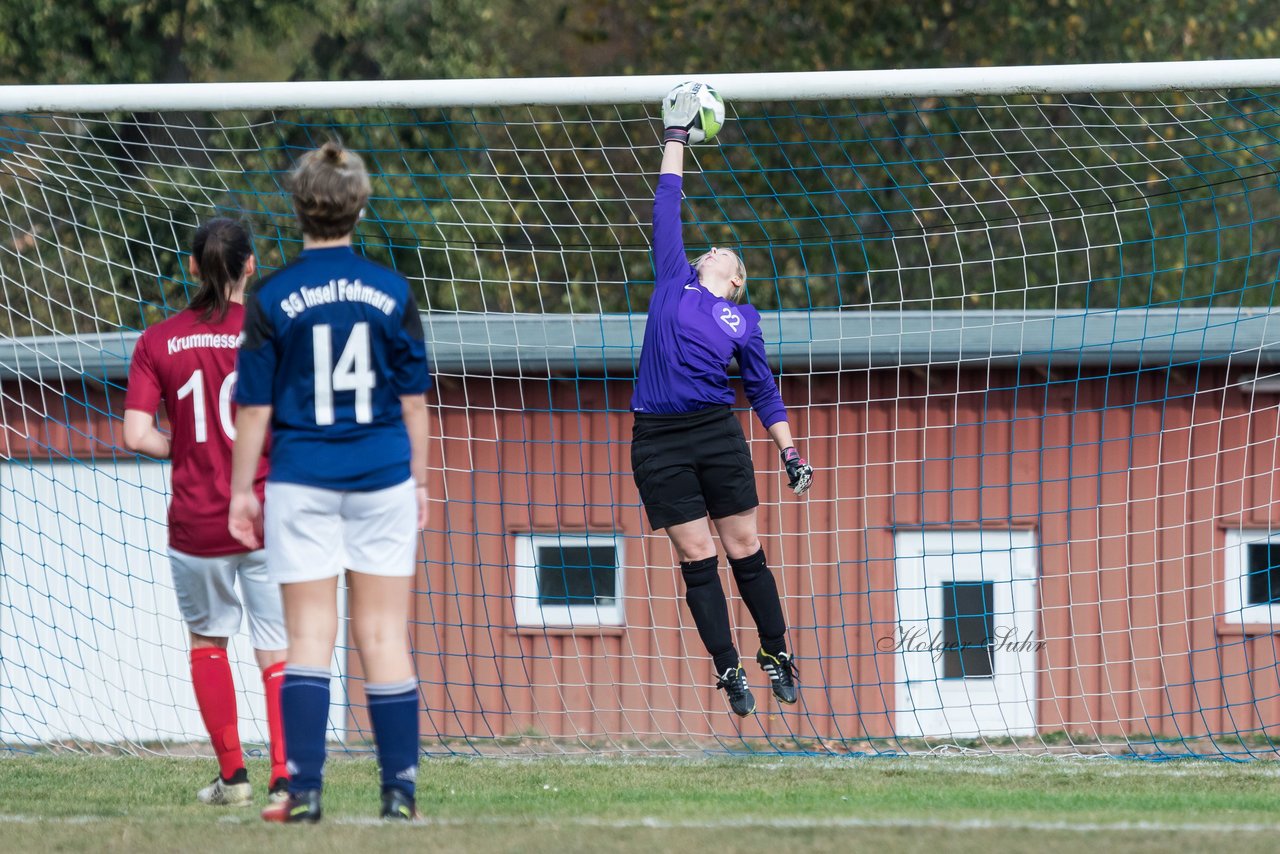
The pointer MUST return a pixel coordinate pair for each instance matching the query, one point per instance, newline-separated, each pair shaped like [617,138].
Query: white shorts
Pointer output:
[314,533]
[206,588]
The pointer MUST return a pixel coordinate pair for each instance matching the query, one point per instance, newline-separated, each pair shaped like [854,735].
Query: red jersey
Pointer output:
[190,364]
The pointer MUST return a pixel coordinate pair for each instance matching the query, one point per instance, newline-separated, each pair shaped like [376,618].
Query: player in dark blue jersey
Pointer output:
[688,452]
[333,361]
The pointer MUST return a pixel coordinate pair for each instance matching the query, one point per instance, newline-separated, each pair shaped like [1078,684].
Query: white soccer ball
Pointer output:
[710,116]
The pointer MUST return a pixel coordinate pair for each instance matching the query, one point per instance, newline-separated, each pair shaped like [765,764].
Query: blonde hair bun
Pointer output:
[330,189]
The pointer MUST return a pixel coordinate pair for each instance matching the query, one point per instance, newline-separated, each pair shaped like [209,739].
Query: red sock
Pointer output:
[272,680]
[216,697]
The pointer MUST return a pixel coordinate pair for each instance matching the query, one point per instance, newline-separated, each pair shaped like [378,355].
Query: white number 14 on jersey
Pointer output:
[351,373]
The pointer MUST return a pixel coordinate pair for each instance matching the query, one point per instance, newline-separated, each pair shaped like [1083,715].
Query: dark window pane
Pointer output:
[582,576]
[1264,573]
[968,629]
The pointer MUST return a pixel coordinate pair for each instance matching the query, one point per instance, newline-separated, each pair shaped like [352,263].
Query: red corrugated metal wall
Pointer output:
[1128,480]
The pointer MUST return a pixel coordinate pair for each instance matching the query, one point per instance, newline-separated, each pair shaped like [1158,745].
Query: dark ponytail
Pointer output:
[221,248]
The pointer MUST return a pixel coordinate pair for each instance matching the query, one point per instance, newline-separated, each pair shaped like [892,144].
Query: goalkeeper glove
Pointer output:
[799,472]
[679,112]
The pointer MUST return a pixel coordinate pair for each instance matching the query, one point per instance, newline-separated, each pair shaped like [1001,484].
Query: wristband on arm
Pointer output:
[676,134]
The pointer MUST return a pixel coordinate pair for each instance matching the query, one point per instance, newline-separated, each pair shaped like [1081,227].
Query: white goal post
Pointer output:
[585,91]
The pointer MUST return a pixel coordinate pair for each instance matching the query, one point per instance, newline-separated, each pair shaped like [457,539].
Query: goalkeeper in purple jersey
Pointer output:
[688,453]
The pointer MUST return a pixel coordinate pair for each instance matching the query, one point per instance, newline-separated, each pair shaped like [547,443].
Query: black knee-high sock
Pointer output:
[705,595]
[760,592]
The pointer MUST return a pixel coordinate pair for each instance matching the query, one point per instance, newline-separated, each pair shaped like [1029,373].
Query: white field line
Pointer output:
[815,823]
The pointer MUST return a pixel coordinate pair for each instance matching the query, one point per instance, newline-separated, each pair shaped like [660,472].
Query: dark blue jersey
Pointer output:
[331,342]
[691,334]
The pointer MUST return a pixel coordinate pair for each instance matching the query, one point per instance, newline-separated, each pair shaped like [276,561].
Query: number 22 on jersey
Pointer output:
[351,373]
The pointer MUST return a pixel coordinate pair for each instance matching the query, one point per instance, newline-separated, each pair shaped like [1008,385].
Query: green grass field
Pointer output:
[935,805]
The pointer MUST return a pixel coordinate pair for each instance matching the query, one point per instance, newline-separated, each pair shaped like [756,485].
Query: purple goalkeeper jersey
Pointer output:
[692,334]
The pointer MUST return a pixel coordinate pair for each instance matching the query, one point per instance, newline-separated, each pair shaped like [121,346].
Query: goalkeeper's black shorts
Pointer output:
[692,465]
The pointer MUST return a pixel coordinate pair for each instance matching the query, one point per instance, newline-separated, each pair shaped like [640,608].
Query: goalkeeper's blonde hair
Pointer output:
[330,188]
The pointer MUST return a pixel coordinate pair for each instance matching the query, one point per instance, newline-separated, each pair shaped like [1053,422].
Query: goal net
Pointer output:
[1021,319]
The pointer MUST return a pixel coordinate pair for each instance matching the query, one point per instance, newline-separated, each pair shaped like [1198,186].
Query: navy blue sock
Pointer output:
[393,711]
[304,707]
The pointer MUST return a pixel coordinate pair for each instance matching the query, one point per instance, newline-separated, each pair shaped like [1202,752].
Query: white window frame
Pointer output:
[1236,579]
[528,610]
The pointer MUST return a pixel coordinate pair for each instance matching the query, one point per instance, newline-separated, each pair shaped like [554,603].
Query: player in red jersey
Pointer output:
[188,362]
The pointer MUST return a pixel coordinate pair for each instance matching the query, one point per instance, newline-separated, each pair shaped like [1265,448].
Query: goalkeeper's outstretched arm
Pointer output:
[673,158]
[679,110]
[670,265]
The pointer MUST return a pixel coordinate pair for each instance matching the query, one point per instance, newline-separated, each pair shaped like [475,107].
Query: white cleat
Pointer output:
[220,793]
[279,793]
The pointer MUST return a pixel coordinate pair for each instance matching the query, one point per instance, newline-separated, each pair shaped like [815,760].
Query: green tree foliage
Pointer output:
[406,39]
[85,257]
[137,41]
[599,37]
[954,203]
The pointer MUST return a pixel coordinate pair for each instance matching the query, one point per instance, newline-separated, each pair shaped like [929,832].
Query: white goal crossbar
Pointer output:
[795,86]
